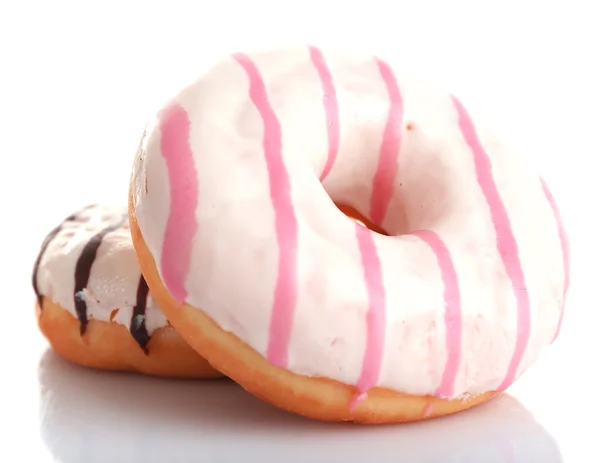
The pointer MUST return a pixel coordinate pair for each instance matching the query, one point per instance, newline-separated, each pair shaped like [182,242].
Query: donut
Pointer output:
[346,239]
[93,304]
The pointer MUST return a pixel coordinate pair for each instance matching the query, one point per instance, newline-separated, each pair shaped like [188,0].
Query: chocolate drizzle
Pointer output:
[137,328]
[83,269]
[36,266]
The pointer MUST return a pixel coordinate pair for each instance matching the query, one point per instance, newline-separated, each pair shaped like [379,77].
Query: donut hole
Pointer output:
[360,219]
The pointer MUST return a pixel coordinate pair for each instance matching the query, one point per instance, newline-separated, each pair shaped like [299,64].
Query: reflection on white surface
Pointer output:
[90,416]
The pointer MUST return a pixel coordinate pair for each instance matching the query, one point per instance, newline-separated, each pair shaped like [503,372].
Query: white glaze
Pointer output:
[235,250]
[115,273]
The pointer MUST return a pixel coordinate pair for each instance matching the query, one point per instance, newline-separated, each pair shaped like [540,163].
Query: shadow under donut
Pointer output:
[92,416]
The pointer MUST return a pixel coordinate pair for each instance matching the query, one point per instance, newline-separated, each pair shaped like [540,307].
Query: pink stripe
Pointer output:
[330,104]
[505,240]
[428,411]
[286,227]
[373,356]
[174,125]
[564,243]
[387,167]
[452,315]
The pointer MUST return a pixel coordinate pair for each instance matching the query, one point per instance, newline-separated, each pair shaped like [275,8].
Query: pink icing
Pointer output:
[330,104]
[505,240]
[452,315]
[373,355]
[428,411]
[356,400]
[387,167]
[284,300]
[564,243]
[385,147]
[174,125]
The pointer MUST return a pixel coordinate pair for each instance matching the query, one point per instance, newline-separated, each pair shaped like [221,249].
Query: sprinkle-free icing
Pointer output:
[387,166]
[565,250]
[375,313]
[460,298]
[181,225]
[452,314]
[88,266]
[330,106]
[507,246]
[286,227]
[83,269]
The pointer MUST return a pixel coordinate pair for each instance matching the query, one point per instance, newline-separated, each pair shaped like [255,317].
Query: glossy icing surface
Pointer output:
[88,266]
[237,180]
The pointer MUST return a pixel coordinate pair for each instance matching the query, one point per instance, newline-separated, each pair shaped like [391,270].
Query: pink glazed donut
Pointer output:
[234,214]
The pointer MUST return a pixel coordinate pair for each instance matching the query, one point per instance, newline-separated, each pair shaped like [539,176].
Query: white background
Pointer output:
[77,81]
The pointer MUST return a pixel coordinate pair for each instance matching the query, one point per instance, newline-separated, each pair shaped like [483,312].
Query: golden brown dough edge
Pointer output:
[110,346]
[312,397]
